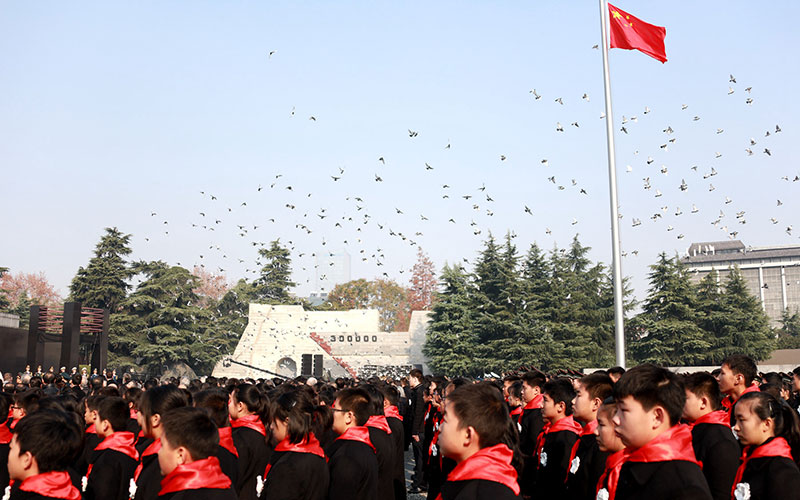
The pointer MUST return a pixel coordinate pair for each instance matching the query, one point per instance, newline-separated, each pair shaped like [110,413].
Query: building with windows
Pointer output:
[772,273]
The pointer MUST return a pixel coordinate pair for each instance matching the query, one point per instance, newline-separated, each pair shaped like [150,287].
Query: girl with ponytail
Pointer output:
[770,433]
[248,408]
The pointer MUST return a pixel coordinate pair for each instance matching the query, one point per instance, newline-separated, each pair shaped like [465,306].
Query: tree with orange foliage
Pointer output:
[422,286]
[33,286]
[211,287]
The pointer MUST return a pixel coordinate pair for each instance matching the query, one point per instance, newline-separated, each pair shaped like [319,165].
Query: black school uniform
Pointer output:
[296,472]
[227,454]
[147,475]
[54,484]
[111,467]
[718,451]
[90,442]
[398,437]
[554,455]
[487,474]
[434,464]
[133,424]
[529,425]
[353,466]
[663,469]
[5,444]
[768,472]
[586,466]
[249,437]
[199,480]
[381,439]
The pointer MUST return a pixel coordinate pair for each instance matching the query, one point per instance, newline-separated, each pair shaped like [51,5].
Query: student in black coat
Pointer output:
[5,438]
[44,445]
[380,435]
[660,461]
[394,418]
[712,439]
[474,433]
[416,427]
[248,409]
[91,439]
[768,429]
[297,469]
[556,441]
[352,461]
[530,425]
[153,405]
[186,458]
[215,403]
[113,461]
[587,461]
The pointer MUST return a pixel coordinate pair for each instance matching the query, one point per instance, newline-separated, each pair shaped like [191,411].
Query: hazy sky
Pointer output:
[113,111]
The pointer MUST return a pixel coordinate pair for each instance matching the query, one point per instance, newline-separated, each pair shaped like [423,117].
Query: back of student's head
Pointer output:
[5,403]
[785,418]
[515,389]
[534,378]
[115,410]
[615,371]
[131,396]
[357,401]
[772,389]
[215,403]
[742,365]
[375,398]
[416,373]
[652,386]
[560,390]
[298,408]
[52,437]
[703,384]
[254,400]
[192,429]
[158,401]
[481,407]
[599,385]
[391,394]
[28,400]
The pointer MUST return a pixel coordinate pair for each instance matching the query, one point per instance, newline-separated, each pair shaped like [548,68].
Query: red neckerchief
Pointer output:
[204,473]
[720,417]
[428,407]
[13,424]
[674,444]
[226,440]
[133,413]
[357,433]
[53,484]
[392,411]
[610,476]
[119,441]
[91,429]
[776,447]
[308,445]
[5,433]
[379,422]
[728,401]
[516,411]
[490,464]
[437,419]
[154,448]
[533,404]
[587,430]
[565,424]
[251,422]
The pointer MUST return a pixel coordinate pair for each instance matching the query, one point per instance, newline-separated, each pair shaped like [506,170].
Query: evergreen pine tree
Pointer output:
[746,326]
[789,333]
[275,282]
[104,282]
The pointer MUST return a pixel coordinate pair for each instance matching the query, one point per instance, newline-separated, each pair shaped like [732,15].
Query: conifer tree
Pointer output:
[746,326]
[104,282]
[275,282]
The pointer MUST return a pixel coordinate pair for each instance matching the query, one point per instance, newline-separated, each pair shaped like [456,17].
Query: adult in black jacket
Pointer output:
[352,461]
[416,426]
[248,408]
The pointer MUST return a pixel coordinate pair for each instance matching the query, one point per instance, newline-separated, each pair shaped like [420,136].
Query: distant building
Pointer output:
[332,269]
[772,273]
[317,298]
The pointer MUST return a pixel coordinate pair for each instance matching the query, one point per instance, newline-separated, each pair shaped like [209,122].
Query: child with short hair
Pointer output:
[736,377]
[608,442]
[660,460]
[768,429]
[587,461]
[530,424]
[712,439]
[43,446]
[113,461]
[555,443]
[475,432]
[186,458]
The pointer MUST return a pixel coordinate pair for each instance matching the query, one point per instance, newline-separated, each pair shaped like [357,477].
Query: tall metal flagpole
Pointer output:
[619,331]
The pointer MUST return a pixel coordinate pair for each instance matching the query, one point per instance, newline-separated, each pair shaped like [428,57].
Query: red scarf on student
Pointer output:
[534,403]
[392,411]
[121,441]
[775,447]
[226,440]
[610,476]
[728,401]
[154,448]
[54,484]
[490,464]
[205,473]
[91,429]
[720,417]
[674,444]
[134,413]
[309,445]
[516,411]
[379,422]
[565,424]
[587,430]
[251,422]
[5,433]
[357,433]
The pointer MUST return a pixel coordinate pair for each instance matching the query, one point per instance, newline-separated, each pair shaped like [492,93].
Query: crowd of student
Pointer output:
[647,433]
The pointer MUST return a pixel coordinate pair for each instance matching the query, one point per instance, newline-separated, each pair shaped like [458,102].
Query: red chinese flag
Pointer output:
[628,32]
